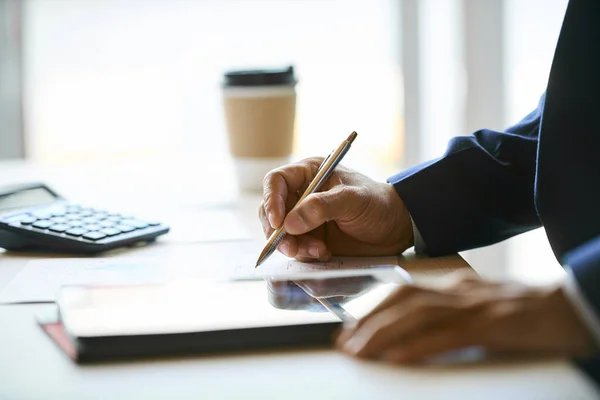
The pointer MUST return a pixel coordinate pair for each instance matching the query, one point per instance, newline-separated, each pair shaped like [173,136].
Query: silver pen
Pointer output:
[325,170]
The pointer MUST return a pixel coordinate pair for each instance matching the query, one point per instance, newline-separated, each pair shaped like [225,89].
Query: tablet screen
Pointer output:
[195,306]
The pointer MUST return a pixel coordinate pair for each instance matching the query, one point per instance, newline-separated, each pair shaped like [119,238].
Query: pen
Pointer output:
[333,307]
[324,171]
[337,310]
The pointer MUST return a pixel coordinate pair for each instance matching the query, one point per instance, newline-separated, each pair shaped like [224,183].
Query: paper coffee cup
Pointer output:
[260,110]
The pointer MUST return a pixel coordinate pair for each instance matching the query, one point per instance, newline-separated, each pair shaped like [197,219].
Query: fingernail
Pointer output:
[313,251]
[270,217]
[349,325]
[285,248]
[352,346]
[294,223]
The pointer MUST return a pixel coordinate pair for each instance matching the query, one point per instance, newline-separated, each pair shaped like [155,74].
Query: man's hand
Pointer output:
[415,323]
[352,215]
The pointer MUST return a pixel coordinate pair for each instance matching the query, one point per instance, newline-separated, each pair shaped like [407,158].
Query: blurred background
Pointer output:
[138,81]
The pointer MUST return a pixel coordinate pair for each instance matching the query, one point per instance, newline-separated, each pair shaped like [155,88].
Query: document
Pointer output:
[40,280]
[278,264]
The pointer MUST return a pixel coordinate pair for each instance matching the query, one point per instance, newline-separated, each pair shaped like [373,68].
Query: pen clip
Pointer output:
[333,165]
[324,161]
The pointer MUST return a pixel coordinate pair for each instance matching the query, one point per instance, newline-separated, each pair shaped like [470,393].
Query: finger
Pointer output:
[403,293]
[279,183]
[395,324]
[339,203]
[304,248]
[288,246]
[266,225]
[312,248]
[442,339]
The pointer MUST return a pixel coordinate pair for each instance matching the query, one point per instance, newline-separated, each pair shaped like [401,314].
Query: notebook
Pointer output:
[97,323]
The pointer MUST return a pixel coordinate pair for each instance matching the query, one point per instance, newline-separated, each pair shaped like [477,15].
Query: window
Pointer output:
[109,79]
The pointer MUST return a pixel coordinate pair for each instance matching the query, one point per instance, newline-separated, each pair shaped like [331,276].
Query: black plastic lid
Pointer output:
[260,77]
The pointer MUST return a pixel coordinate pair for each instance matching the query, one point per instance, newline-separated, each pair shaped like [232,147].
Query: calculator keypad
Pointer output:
[78,222]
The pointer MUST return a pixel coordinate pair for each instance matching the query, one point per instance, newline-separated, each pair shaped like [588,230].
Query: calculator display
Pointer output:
[29,197]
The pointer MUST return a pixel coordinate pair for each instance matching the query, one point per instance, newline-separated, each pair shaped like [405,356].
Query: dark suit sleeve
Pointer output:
[584,262]
[479,193]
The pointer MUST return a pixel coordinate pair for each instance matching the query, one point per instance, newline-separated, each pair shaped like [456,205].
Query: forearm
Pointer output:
[469,198]
[480,192]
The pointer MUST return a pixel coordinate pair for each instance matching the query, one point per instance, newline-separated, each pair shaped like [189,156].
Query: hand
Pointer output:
[415,323]
[352,215]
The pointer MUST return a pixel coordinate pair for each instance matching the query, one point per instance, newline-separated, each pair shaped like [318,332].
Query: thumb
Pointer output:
[321,207]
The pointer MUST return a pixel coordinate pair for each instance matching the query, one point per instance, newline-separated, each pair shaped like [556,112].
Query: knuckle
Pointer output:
[312,164]
[462,280]
[352,192]
[313,161]
[268,178]
[318,206]
[267,201]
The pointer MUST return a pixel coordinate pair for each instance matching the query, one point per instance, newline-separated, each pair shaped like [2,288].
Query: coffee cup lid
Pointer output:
[260,77]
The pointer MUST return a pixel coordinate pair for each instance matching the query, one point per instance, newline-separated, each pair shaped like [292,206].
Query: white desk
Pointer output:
[32,367]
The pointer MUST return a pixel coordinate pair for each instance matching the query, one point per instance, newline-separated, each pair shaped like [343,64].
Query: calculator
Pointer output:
[35,217]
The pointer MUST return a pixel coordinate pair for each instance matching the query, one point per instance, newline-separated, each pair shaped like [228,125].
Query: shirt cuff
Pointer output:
[581,305]
[418,239]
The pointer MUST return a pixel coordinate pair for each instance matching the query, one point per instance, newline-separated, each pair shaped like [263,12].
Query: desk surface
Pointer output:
[32,367]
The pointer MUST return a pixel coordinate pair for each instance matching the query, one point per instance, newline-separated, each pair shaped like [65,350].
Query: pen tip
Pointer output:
[352,136]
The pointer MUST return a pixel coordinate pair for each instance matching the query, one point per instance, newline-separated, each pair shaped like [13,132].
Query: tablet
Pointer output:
[212,316]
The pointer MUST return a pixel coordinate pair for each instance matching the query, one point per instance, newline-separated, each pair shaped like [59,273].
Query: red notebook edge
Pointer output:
[56,332]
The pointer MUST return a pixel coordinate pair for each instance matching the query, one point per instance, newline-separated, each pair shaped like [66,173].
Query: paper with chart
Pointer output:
[278,264]
[40,280]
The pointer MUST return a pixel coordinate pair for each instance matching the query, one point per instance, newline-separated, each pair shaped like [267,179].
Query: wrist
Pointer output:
[402,218]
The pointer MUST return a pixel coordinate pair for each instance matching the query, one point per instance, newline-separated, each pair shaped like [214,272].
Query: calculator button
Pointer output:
[43,224]
[94,235]
[90,220]
[86,212]
[60,220]
[135,223]
[107,223]
[58,213]
[114,218]
[16,218]
[76,231]
[73,216]
[60,228]
[111,231]
[92,227]
[42,214]
[28,220]
[76,222]
[153,223]
[100,216]
[125,228]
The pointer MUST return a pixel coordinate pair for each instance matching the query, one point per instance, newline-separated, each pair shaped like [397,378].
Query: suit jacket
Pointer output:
[544,171]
